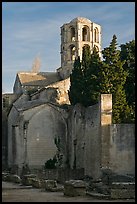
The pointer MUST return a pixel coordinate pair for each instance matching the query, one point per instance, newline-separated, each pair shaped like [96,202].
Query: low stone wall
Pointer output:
[11,178]
[75,188]
[120,190]
[122,149]
[62,175]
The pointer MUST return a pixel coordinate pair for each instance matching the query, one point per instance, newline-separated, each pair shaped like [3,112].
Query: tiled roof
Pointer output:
[38,79]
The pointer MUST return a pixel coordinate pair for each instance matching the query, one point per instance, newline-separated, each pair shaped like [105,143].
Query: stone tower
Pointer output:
[74,35]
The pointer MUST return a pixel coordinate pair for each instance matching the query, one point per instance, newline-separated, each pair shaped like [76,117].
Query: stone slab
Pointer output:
[122,193]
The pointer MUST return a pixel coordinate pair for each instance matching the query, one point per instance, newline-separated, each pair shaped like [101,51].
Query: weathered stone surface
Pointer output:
[122,149]
[121,178]
[5,176]
[71,44]
[122,190]
[99,188]
[97,195]
[27,179]
[50,184]
[122,193]
[76,183]
[123,185]
[56,189]
[74,188]
[15,178]
[37,183]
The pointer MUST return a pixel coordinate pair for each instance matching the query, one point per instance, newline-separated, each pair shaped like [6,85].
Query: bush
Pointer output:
[51,164]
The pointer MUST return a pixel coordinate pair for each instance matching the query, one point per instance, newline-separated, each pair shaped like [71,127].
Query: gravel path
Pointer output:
[16,193]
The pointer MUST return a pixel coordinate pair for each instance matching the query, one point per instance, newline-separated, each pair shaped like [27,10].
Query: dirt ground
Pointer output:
[16,193]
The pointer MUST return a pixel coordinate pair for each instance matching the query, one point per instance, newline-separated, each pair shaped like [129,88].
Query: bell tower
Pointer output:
[75,35]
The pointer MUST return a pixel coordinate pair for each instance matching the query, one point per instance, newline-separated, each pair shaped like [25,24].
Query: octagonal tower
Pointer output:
[74,35]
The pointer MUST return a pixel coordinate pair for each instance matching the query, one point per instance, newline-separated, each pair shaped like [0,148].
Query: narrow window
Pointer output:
[85,34]
[96,35]
[72,34]
[72,53]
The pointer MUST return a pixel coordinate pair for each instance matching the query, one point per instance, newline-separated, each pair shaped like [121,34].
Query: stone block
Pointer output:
[123,185]
[122,193]
[8,178]
[15,179]
[75,188]
[50,184]
[37,183]
[122,190]
[27,179]
[5,176]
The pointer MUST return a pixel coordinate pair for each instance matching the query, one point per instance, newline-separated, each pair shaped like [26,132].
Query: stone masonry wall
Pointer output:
[46,124]
[122,148]
[55,93]
[84,139]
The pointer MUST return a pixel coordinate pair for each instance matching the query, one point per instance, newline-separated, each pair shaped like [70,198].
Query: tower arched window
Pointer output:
[96,35]
[97,48]
[72,52]
[85,46]
[85,33]
[72,33]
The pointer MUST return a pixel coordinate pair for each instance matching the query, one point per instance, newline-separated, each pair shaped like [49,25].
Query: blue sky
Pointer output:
[31,29]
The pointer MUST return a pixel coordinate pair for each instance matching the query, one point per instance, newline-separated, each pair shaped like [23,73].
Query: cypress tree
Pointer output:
[127,54]
[86,58]
[84,87]
[93,77]
[76,85]
[112,80]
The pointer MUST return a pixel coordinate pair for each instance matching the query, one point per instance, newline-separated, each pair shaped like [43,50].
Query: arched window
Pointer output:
[72,52]
[72,32]
[86,45]
[97,48]
[96,35]
[85,33]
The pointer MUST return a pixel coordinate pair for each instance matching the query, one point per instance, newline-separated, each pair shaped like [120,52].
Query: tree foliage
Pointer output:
[76,88]
[127,54]
[112,79]
[91,76]
[84,87]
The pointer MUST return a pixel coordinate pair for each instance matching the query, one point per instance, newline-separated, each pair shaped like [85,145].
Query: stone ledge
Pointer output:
[98,195]
[123,185]
[75,183]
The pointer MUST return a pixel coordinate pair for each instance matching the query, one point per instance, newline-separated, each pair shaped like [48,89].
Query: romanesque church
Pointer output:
[42,124]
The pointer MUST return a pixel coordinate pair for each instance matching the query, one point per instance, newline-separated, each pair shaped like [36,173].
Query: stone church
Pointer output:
[42,124]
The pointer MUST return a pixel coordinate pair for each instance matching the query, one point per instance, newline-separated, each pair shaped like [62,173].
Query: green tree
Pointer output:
[76,83]
[127,54]
[112,80]
[84,87]
[93,77]
[86,60]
